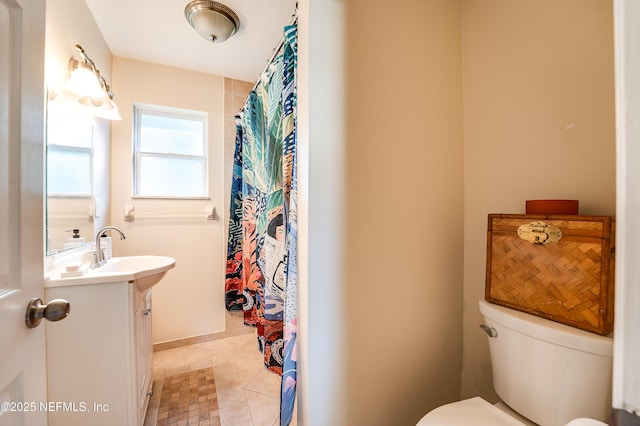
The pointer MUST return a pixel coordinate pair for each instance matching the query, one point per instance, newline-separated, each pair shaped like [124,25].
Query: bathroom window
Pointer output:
[170,152]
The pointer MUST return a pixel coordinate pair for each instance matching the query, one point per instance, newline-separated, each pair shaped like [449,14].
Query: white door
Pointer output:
[626,351]
[22,350]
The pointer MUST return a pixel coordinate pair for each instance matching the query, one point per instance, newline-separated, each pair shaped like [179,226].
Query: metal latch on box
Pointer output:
[539,233]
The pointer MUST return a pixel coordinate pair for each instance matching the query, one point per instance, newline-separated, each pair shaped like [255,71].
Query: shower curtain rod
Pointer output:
[273,55]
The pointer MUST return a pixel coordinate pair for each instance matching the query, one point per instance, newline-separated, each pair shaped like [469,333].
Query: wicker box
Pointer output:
[558,267]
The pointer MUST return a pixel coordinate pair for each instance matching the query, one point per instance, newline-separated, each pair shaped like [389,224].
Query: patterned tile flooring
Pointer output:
[189,398]
[246,393]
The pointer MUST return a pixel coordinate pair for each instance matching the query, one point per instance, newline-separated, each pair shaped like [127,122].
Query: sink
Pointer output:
[143,271]
[146,271]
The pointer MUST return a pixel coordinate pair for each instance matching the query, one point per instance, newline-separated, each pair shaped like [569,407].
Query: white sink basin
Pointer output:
[146,271]
[143,271]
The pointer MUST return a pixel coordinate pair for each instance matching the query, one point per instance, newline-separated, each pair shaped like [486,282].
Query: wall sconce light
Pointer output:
[101,107]
[83,81]
[94,92]
[212,20]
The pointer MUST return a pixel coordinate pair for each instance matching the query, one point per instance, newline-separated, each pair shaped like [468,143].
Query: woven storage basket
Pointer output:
[565,276]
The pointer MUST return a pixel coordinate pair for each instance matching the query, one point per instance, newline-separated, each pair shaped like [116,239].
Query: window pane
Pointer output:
[68,172]
[161,176]
[170,135]
[68,130]
[170,149]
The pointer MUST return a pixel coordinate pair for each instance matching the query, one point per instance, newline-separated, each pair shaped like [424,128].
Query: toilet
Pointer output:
[545,373]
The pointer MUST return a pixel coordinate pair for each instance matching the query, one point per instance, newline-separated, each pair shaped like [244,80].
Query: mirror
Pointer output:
[69,176]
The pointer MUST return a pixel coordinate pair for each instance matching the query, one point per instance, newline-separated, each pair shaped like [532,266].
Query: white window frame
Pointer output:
[169,112]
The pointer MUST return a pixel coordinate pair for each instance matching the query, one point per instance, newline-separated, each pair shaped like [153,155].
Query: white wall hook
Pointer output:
[211,212]
[129,213]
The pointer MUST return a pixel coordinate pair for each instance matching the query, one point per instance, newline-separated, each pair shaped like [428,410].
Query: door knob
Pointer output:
[55,310]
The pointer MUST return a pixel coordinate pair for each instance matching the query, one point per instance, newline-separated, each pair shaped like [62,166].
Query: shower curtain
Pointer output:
[261,274]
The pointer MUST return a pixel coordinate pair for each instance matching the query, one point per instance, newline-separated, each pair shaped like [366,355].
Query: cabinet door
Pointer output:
[144,353]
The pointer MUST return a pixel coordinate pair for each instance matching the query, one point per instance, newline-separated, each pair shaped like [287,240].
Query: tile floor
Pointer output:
[247,394]
[188,399]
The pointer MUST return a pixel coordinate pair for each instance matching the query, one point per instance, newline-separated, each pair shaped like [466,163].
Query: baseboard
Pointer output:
[234,324]
[189,341]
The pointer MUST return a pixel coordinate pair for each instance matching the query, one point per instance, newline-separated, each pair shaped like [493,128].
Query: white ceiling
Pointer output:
[156,31]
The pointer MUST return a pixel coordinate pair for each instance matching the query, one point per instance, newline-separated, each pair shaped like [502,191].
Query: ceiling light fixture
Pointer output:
[212,20]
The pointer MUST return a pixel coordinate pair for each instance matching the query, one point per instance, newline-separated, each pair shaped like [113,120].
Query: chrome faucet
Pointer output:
[98,256]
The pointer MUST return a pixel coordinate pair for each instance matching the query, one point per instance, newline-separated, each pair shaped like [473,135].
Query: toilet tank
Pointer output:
[548,372]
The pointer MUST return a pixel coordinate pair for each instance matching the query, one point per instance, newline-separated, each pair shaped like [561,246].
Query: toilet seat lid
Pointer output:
[474,411]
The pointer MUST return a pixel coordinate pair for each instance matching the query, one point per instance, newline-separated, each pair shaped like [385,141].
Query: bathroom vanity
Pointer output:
[99,360]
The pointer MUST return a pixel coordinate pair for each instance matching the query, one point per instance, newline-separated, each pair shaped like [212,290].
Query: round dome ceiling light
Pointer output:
[212,20]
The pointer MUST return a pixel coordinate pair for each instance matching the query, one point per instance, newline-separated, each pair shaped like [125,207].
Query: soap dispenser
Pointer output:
[75,241]
[106,246]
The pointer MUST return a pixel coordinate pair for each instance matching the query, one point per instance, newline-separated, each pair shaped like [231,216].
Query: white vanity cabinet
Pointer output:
[99,359]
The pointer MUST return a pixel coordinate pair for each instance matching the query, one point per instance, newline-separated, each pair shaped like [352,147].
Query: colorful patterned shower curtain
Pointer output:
[261,276]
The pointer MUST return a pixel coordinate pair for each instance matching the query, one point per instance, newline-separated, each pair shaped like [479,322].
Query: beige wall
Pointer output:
[403,210]
[189,301]
[538,123]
